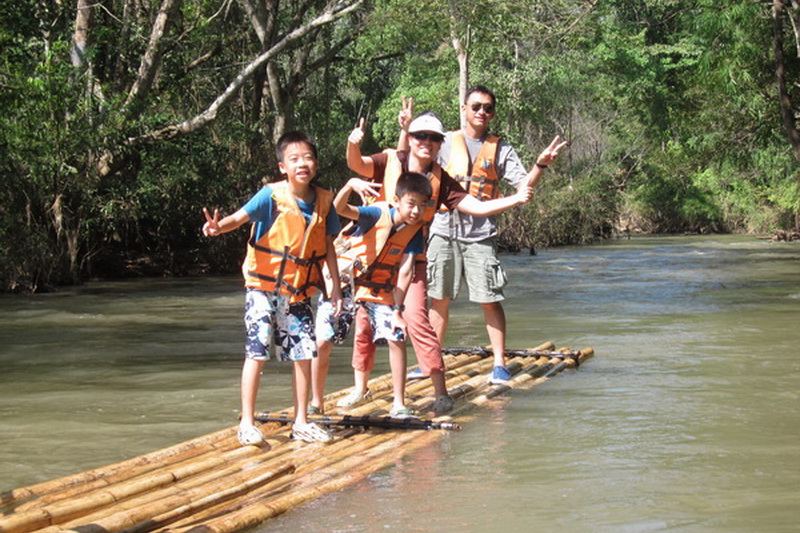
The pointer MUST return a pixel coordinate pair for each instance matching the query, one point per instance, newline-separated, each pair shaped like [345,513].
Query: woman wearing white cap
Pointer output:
[426,134]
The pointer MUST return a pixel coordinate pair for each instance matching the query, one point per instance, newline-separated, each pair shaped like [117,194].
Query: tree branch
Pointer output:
[330,14]
[152,56]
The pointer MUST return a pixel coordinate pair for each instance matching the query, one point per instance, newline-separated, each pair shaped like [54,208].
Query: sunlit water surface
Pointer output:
[687,419]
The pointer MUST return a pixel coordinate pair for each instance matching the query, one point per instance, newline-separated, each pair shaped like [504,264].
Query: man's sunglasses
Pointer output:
[422,136]
[489,108]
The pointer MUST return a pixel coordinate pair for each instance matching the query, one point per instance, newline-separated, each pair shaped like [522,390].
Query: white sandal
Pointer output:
[310,432]
[249,435]
[354,398]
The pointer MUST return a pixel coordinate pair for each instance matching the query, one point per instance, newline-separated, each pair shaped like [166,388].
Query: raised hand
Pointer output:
[211,227]
[357,135]
[406,114]
[367,190]
[550,153]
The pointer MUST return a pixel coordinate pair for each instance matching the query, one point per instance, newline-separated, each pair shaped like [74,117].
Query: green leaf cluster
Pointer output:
[670,108]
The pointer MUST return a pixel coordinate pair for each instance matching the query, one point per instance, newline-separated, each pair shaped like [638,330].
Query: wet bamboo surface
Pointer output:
[213,484]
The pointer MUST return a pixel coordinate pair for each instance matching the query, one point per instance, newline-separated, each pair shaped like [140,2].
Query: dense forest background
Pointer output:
[121,119]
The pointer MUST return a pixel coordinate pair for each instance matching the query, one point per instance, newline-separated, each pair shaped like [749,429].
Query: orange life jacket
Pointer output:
[393,170]
[289,257]
[480,179]
[377,255]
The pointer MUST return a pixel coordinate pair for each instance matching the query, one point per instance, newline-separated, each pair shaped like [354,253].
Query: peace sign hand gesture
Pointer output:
[406,114]
[357,135]
[550,153]
[211,227]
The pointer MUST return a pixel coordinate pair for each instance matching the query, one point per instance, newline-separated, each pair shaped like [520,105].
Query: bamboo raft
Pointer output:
[212,484]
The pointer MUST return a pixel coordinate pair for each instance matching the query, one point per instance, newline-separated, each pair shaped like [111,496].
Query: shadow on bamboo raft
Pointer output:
[212,484]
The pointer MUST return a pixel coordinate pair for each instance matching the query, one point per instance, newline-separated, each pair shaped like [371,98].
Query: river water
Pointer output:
[687,419]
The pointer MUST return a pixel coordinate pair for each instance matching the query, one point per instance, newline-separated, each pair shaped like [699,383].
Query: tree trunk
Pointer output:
[262,16]
[151,61]
[279,106]
[83,22]
[462,54]
[787,110]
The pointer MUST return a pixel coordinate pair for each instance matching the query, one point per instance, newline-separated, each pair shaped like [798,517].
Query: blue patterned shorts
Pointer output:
[382,323]
[335,329]
[269,316]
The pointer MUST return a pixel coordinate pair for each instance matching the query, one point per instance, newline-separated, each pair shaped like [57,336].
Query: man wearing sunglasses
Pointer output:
[426,135]
[464,245]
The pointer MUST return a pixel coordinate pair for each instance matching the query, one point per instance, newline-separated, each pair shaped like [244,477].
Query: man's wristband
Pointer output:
[399,307]
[543,167]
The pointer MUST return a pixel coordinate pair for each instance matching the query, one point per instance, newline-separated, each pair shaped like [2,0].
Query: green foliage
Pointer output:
[670,107]
[563,211]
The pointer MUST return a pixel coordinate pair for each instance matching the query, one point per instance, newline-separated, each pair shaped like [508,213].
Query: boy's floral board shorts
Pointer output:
[335,329]
[381,321]
[269,316]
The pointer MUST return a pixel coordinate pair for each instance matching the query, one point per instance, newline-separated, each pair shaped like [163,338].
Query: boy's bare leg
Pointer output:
[440,316]
[397,363]
[251,377]
[439,385]
[361,378]
[495,318]
[319,372]
[301,383]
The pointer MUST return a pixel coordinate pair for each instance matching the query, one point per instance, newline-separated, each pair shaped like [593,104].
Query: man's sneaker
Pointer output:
[354,398]
[416,374]
[310,432]
[500,375]
[405,412]
[249,435]
[442,404]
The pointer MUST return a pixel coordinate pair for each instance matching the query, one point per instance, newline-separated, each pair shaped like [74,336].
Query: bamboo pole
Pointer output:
[306,457]
[379,422]
[535,374]
[175,504]
[308,461]
[193,470]
[214,482]
[110,473]
[204,502]
[116,489]
[348,471]
[147,487]
[250,517]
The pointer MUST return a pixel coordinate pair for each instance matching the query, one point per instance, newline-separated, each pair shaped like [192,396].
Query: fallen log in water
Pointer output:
[214,484]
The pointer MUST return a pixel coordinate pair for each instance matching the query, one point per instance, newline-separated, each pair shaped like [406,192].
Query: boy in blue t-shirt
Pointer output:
[292,232]
[384,241]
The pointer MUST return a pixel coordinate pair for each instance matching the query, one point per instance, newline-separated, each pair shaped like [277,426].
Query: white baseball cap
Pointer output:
[426,122]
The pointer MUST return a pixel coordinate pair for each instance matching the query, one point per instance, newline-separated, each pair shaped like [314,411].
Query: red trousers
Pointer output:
[423,338]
